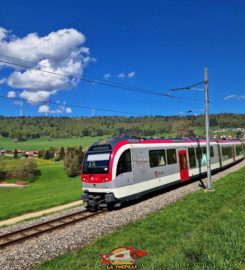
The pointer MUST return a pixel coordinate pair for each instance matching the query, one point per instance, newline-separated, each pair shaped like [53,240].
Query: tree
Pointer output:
[62,153]
[46,155]
[2,168]
[51,152]
[184,129]
[73,160]
[27,170]
[41,153]
[15,153]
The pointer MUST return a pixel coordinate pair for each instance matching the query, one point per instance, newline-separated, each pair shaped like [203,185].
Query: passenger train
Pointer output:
[123,169]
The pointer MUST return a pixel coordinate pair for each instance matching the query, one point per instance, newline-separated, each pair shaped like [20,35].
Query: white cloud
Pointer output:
[234,97]
[11,94]
[60,109]
[36,97]
[107,76]
[229,97]
[121,75]
[3,33]
[57,46]
[61,52]
[43,109]
[131,74]
[68,110]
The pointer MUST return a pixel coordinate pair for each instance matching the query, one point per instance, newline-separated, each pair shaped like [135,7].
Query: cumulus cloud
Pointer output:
[68,110]
[107,76]
[121,75]
[36,97]
[131,74]
[57,46]
[60,109]
[43,109]
[234,97]
[61,52]
[11,94]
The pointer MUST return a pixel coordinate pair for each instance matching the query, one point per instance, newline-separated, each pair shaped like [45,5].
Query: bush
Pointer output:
[27,170]
[73,160]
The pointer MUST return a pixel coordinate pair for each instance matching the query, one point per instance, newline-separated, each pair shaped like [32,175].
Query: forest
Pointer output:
[27,128]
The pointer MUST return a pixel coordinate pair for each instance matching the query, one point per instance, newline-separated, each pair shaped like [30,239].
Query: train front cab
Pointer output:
[107,176]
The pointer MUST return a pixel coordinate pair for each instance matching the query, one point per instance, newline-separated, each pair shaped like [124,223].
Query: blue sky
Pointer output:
[154,45]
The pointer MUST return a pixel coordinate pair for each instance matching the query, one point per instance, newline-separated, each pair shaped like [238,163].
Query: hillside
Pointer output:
[25,128]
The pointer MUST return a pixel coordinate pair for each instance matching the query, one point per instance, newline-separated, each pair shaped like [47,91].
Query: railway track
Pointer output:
[48,226]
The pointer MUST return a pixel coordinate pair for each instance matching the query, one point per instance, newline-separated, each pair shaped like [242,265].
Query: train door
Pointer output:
[183,165]
[124,173]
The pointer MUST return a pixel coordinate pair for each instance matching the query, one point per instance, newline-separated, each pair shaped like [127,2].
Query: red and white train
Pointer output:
[124,169]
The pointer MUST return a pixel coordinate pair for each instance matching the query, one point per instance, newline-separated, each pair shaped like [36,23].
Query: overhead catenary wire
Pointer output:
[68,105]
[93,81]
[88,80]
[74,74]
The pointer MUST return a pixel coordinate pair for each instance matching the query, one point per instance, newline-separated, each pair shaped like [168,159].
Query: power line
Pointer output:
[67,105]
[74,74]
[88,80]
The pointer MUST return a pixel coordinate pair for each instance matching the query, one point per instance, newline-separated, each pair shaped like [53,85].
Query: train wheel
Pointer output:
[92,208]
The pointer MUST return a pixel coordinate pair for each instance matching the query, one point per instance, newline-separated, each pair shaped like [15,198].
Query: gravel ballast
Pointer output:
[34,251]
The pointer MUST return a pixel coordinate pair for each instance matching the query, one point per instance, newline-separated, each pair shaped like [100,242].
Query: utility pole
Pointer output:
[21,108]
[92,111]
[209,186]
[193,87]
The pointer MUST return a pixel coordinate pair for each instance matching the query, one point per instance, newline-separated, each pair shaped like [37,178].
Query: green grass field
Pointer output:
[52,188]
[201,231]
[45,143]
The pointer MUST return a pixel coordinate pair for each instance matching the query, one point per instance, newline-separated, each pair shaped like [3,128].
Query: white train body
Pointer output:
[125,168]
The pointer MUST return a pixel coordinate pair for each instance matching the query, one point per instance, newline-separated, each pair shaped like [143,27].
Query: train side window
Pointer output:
[204,151]
[157,158]
[192,158]
[227,152]
[238,150]
[198,152]
[171,156]
[230,152]
[124,163]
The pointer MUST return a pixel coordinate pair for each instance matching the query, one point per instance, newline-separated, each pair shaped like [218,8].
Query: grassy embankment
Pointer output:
[201,231]
[45,143]
[53,187]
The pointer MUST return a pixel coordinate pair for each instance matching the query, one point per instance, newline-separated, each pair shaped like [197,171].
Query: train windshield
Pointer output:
[96,163]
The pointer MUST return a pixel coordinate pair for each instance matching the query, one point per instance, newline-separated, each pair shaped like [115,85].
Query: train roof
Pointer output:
[111,143]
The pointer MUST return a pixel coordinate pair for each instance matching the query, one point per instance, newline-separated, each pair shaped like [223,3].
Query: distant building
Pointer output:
[31,154]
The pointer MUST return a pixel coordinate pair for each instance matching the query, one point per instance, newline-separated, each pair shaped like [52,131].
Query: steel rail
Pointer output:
[51,225]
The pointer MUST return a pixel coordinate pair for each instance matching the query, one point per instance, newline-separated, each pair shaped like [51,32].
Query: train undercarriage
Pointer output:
[95,201]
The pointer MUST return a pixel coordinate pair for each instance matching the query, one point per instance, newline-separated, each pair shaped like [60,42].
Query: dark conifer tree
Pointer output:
[15,153]
[62,153]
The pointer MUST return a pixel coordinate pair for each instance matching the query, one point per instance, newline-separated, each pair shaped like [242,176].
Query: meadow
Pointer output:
[45,143]
[53,187]
[201,231]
